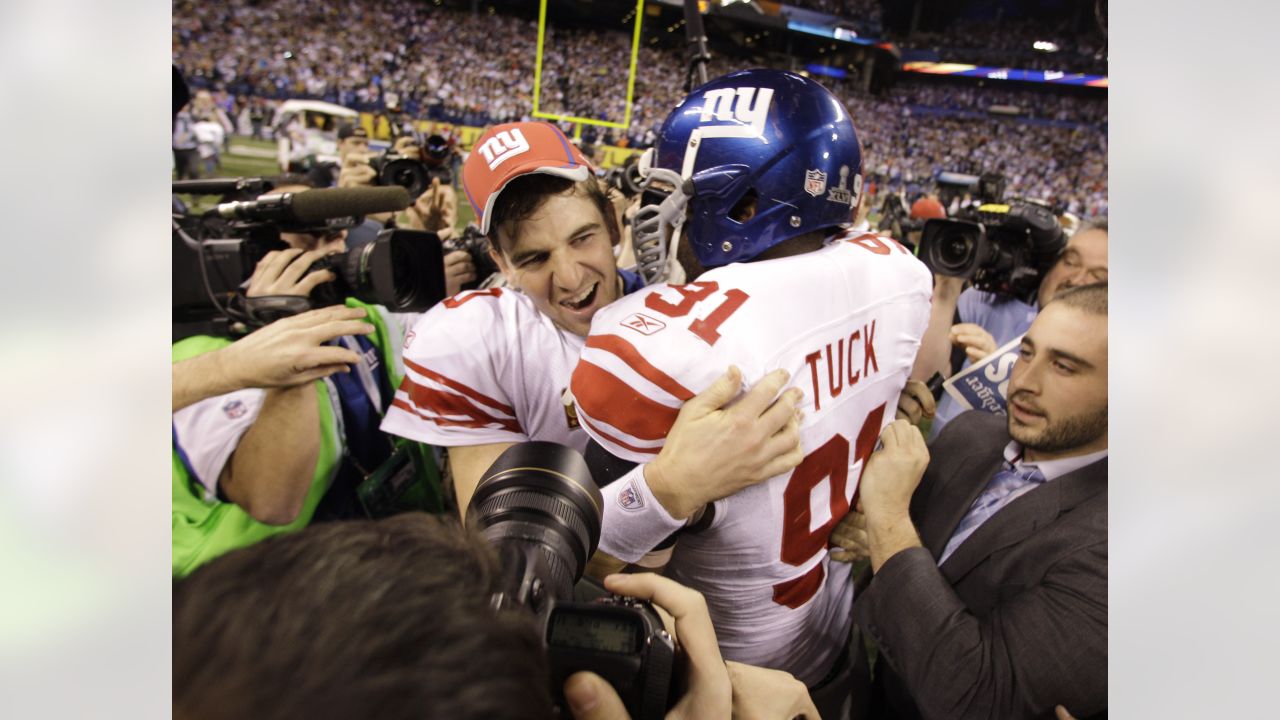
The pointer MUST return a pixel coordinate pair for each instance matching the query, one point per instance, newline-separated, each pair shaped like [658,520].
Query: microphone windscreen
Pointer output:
[317,205]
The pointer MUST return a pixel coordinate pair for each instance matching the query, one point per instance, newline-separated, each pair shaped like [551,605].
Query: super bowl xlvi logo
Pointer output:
[234,409]
[503,146]
[630,498]
[643,324]
[815,182]
[840,193]
[746,107]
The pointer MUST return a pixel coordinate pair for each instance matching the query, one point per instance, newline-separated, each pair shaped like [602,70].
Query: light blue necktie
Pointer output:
[1007,484]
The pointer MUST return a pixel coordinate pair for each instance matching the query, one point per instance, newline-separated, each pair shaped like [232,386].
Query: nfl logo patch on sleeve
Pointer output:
[234,409]
[630,497]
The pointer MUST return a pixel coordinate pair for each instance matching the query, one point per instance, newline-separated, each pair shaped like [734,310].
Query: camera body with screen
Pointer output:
[540,509]
[1003,248]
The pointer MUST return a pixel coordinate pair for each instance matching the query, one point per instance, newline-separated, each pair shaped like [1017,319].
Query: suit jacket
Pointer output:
[1015,621]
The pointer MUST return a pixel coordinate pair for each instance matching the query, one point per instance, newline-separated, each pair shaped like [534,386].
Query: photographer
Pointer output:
[976,322]
[256,462]
[391,618]
[435,210]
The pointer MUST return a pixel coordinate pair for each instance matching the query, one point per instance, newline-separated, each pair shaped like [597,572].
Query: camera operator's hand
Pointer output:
[284,272]
[458,271]
[435,210]
[356,171]
[977,342]
[710,693]
[407,146]
[916,403]
[765,694]
[285,353]
[713,452]
[935,347]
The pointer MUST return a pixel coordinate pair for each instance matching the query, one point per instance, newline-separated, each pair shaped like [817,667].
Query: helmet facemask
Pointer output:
[656,227]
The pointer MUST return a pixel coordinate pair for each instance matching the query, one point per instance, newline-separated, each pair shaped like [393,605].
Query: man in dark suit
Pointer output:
[997,606]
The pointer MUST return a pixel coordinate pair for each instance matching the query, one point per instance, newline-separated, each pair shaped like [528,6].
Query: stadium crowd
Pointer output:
[1010,42]
[439,64]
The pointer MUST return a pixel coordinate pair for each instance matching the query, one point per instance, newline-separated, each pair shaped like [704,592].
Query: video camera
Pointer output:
[215,253]
[539,508]
[1003,248]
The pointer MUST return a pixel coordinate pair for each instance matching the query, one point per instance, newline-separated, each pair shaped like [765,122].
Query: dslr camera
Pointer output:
[626,179]
[477,246]
[540,509]
[1002,248]
[215,253]
[412,173]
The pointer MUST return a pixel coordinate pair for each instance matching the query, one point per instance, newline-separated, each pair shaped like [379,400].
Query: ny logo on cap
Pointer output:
[503,146]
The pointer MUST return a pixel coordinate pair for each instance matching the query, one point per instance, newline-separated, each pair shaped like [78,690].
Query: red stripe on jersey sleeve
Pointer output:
[454,384]
[609,438]
[446,403]
[605,398]
[627,352]
[510,425]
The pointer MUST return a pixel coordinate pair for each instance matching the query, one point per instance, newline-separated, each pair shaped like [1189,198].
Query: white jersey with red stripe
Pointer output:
[846,321]
[482,367]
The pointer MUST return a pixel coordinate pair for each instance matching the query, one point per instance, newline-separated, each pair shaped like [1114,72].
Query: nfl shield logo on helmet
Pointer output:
[815,182]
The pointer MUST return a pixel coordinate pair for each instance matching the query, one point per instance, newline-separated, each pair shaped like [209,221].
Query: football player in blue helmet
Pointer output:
[751,159]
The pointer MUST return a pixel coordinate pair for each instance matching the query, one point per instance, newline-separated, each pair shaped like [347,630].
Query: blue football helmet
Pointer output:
[769,134]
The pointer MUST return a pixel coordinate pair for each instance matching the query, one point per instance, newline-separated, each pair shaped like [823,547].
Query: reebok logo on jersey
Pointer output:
[408,339]
[748,107]
[503,146]
[643,324]
[630,497]
[234,409]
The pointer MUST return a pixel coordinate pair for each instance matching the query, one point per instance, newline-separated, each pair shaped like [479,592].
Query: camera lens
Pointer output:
[539,496]
[406,267]
[953,251]
[408,174]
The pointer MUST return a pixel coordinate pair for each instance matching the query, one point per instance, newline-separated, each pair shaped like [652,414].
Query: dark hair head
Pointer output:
[386,619]
[522,197]
[1091,298]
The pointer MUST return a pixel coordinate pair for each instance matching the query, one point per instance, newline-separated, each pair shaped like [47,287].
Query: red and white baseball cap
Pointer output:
[505,152]
[927,208]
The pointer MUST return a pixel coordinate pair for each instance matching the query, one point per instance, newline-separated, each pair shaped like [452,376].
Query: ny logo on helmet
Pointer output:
[748,106]
[503,146]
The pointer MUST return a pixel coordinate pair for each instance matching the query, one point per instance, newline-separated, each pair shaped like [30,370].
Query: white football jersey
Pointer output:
[482,367]
[846,322]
